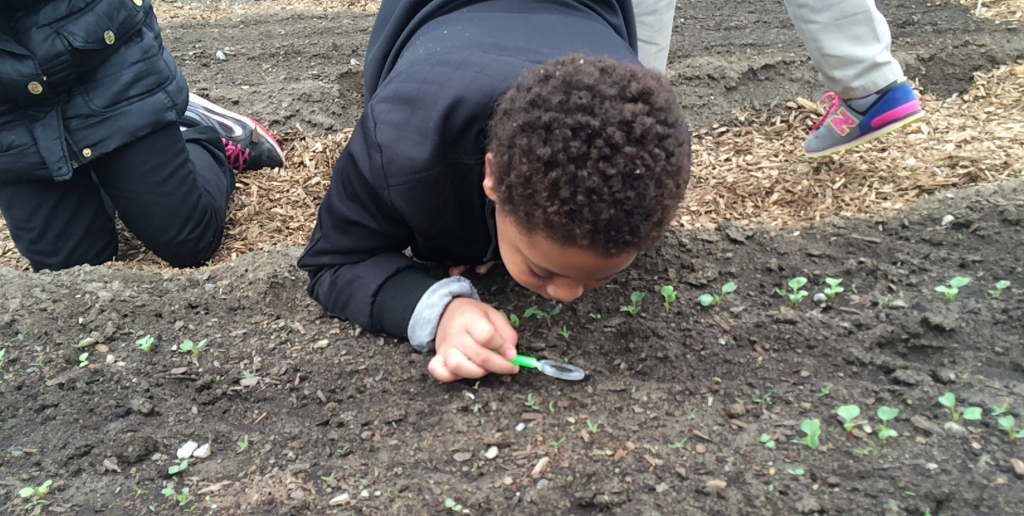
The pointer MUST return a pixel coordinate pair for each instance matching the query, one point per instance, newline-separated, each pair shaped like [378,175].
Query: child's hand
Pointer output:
[457,270]
[468,335]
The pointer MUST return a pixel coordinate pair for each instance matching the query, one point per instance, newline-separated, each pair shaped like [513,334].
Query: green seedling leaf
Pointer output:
[887,414]
[959,282]
[833,287]
[996,411]
[849,414]
[948,400]
[728,288]
[635,297]
[811,427]
[145,343]
[83,360]
[1006,423]
[972,413]
[797,282]
[886,433]
[27,492]
[669,293]
[954,287]
[768,442]
[1000,286]
[706,299]
[514,320]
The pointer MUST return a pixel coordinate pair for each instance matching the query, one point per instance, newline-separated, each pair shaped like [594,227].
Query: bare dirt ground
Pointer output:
[679,403]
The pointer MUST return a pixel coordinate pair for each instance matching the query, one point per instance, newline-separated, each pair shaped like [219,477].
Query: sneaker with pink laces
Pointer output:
[248,145]
[849,123]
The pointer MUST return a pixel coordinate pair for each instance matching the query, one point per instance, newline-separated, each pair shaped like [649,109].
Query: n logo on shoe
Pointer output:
[842,122]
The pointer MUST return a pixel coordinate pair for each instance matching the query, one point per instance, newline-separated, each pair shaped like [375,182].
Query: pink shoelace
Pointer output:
[832,101]
[237,158]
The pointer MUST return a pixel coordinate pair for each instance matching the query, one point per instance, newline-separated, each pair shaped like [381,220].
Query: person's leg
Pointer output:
[171,189]
[59,224]
[654,31]
[849,43]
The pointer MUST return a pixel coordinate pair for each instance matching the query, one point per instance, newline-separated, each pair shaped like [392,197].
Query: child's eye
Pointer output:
[537,276]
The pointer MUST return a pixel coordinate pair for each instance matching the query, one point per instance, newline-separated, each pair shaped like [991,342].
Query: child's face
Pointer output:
[550,269]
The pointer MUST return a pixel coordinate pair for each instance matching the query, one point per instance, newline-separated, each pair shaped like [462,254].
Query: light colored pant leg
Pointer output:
[654,31]
[849,42]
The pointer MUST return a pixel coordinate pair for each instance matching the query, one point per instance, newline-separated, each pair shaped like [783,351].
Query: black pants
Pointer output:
[170,188]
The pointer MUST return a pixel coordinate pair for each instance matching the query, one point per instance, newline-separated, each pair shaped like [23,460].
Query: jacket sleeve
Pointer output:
[355,259]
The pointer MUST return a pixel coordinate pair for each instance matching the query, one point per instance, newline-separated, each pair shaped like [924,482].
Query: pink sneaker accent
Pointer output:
[832,100]
[237,158]
[896,114]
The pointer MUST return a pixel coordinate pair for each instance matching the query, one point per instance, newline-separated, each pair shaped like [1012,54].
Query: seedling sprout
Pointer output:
[565,332]
[849,413]
[83,360]
[513,319]
[1006,423]
[715,299]
[243,443]
[189,346]
[183,497]
[592,427]
[530,402]
[2,353]
[833,287]
[177,467]
[37,494]
[450,504]
[669,293]
[954,287]
[970,413]
[886,414]
[825,390]
[145,343]
[1000,286]
[768,442]
[795,294]
[635,297]
[811,427]
[998,411]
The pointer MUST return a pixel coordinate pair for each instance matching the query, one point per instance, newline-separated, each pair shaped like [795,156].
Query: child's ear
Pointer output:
[489,178]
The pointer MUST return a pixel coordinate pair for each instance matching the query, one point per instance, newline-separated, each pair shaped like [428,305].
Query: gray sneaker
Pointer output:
[844,126]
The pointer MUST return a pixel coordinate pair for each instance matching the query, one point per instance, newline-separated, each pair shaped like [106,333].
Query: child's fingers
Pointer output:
[461,365]
[456,270]
[439,371]
[507,332]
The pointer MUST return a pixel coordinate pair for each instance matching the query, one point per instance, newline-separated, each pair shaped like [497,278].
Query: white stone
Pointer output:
[491,453]
[520,427]
[946,220]
[340,499]
[202,452]
[185,451]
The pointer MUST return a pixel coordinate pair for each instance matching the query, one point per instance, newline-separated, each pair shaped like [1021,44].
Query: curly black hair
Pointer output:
[591,153]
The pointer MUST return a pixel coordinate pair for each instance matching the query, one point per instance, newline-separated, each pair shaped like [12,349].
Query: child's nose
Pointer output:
[564,291]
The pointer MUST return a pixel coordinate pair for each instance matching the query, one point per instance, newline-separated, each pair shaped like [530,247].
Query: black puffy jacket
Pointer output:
[78,79]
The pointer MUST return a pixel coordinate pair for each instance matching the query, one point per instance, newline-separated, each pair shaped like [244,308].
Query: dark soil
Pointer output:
[327,410]
[296,68]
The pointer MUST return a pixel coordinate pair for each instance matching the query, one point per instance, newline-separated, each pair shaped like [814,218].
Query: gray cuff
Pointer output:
[426,316]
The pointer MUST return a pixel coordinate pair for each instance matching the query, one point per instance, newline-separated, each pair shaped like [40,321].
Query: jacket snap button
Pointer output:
[87,152]
[35,88]
[108,36]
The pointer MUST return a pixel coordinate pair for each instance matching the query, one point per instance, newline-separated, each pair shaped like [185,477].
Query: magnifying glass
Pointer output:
[553,368]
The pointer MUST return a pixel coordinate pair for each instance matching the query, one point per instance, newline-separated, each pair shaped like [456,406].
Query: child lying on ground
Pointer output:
[524,131]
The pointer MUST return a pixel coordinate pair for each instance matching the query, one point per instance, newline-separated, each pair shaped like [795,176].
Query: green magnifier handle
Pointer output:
[525,361]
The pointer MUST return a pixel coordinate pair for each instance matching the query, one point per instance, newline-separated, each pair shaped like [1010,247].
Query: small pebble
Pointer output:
[202,452]
[210,286]
[298,494]
[716,484]
[507,481]
[185,450]
[897,304]
[954,429]
[366,435]
[111,359]
[520,427]
[661,488]
[542,483]
[832,481]
[947,219]
[101,348]
[1018,467]
[491,453]
[340,499]
[700,448]
[820,298]
[736,410]
[249,382]
[539,468]
[221,56]
[462,456]
[365,493]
